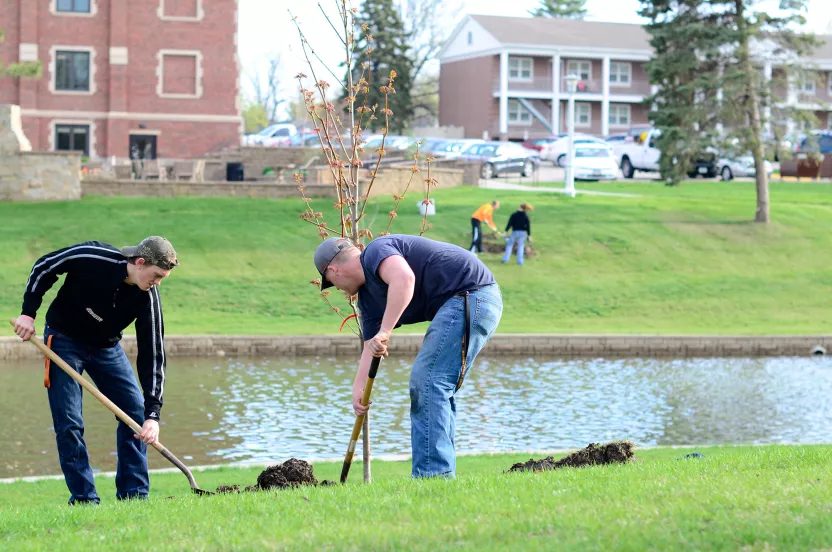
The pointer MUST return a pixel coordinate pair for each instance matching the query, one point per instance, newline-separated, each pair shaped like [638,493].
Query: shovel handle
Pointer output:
[120,414]
[359,420]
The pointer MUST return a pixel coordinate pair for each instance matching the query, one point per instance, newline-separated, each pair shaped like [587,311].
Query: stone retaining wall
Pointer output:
[173,188]
[29,176]
[560,346]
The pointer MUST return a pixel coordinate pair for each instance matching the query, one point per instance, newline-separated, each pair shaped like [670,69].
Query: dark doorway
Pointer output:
[143,146]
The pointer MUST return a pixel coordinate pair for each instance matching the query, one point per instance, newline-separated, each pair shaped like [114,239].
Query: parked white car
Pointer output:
[741,166]
[280,134]
[595,162]
[556,151]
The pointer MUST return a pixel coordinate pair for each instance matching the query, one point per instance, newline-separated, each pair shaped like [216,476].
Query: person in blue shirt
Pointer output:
[400,280]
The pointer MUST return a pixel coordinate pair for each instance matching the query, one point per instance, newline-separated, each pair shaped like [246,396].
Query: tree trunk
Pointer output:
[758,150]
[368,476]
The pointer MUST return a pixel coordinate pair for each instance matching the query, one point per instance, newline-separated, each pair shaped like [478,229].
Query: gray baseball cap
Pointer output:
[324,254]
[156,250]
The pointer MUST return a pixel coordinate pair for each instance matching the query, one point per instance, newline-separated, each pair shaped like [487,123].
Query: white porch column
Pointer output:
[791,101]
[654,89]
[767,74]
[556,94]
[605,102]
[503,95]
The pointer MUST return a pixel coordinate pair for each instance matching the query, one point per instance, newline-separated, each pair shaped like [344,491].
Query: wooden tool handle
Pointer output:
[359,420]
[120,414]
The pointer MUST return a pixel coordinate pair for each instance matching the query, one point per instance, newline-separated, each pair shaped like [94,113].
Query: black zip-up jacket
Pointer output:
[519,220]
[94,305]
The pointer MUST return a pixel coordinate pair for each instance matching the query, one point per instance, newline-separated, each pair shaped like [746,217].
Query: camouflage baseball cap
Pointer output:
[156,250]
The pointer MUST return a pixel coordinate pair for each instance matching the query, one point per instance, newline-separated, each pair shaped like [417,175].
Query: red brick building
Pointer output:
[158,77]
[505,77]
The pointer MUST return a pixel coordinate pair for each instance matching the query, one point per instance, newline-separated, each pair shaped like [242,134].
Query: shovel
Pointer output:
[117,411]
[359,420]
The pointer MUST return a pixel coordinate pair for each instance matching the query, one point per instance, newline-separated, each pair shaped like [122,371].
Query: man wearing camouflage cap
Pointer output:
[105,290]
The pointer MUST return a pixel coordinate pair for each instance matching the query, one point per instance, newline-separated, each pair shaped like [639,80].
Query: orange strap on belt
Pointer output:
[46,382]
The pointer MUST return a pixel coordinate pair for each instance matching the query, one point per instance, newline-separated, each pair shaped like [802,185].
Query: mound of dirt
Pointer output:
[292,473]
[491,243]
[616,452]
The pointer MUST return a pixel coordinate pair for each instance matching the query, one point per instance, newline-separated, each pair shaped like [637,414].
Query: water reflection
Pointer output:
[224,410]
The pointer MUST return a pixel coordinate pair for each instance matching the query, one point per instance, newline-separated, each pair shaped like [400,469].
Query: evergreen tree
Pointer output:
[383,36]
[560,9]
[708,57]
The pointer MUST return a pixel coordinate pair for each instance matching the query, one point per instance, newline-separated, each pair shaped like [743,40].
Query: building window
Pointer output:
[581,68]
[619,115]
[517,114]
[520,69]
[620,74]
[470,38]
[179,74]
[73,6]
[806,84]
[72,138]
[180,10]
[829,84]
[72,71]
[583,115]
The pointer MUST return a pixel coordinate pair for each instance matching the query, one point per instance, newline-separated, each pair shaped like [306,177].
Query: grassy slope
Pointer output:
[680,260]
[759,498]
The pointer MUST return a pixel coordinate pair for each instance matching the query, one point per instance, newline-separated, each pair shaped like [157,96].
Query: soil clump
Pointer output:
[288,475]
[615,452]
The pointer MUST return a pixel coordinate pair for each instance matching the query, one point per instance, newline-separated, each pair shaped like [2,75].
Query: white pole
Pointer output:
[570,173]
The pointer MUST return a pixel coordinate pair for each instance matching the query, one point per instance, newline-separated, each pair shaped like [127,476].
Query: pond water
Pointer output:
[264,410]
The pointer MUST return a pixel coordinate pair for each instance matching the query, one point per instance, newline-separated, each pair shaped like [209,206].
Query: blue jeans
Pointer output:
[436,372]
[112,374]
[518,237]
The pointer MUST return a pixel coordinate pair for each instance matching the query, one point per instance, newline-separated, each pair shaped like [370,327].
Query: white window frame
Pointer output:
[579,106]
[74,122]
[53,9]
[200,13]
[518,63]
[516,108]
[618,73]
[160,74]
[53,70]
[578,64]
[617,107]
[806,84]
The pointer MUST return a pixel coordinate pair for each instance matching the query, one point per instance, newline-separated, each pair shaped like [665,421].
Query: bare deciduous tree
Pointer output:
[342,144]
[266,88]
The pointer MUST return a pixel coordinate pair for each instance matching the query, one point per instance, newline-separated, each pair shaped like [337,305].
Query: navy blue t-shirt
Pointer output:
[442,270]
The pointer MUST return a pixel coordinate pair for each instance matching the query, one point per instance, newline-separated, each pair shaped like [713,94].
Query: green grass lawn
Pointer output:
[675,260]
[735,498]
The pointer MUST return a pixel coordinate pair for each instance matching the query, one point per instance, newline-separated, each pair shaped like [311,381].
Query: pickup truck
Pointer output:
[640,153]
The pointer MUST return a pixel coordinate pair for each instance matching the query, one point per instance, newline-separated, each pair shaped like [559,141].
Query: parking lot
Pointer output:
[549,173]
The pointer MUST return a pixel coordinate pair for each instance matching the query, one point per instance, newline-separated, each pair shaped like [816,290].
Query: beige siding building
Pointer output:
[504,77]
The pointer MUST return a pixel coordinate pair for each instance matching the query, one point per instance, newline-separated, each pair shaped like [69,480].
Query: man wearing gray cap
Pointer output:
[404,279]
[105,290]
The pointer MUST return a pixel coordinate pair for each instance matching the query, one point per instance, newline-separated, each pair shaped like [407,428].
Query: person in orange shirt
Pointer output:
[484,214]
